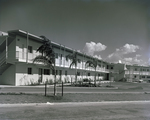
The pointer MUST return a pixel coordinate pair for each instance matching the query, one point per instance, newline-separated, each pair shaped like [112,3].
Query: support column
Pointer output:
[6,49]
[27,55]
[27,48]
[64,57]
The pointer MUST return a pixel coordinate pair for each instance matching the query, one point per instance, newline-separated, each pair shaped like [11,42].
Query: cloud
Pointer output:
[99,57]
[134,60]
[120,52]
[129,48]
[78,51]
[128,59]
[92,47]
[126,49]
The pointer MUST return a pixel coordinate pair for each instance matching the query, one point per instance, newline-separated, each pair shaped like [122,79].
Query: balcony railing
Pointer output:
[24,57]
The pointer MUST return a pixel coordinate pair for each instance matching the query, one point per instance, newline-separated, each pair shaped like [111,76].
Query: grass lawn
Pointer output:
[82,97]
[72,97]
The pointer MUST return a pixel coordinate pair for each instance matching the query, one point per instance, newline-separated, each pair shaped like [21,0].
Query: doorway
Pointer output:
[40,75]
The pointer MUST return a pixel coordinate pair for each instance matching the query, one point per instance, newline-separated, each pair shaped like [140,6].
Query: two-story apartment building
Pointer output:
[135,73]
[18,49]
[130,73]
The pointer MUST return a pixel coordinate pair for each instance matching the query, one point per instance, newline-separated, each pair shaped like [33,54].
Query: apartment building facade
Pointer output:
[130,73]
[18,49]
[136,73]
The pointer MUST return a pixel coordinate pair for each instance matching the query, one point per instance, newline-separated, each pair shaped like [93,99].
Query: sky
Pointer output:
[111,30]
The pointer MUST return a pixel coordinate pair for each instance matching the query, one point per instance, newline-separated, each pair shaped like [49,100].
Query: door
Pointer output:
[40,75]
[60,73]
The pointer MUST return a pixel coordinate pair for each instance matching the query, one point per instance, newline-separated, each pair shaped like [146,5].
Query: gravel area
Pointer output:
[11,98]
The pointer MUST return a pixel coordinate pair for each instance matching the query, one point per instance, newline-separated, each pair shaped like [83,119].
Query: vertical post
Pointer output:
[55,80]
[62,88]
[82,65]
[27,54]
[60,60]
[64,57]
[45,88]
[27,48]
[6,49]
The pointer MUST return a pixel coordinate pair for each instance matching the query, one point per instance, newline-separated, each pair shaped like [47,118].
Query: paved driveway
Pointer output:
[77,111]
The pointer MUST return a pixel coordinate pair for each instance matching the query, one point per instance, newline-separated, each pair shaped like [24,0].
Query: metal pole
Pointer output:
[45,88]
[27,48]
[62,88]
[55,80]
[6,49]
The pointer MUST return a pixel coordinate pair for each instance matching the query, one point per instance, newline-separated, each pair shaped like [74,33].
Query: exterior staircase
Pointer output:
[3,64]
[121,76]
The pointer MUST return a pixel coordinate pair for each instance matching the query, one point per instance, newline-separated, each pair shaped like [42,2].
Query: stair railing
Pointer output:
[2,58]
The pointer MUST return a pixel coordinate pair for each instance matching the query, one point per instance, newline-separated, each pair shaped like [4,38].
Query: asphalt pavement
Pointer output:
[125,110]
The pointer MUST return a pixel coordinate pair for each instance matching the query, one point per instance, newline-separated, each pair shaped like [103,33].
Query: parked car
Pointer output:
[87,82]
[90,83]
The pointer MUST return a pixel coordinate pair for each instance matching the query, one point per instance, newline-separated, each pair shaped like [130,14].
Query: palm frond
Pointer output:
[45,60]
[73,58]
[90,64]
[69,57]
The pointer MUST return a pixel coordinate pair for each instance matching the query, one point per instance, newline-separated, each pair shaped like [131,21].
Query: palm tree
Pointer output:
[75,60]
[94,65]
[47,57]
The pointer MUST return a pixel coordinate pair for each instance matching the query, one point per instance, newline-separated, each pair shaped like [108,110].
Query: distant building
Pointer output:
[130,73]
[136,73]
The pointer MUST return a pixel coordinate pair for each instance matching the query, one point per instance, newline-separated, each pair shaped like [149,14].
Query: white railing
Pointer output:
[22,57]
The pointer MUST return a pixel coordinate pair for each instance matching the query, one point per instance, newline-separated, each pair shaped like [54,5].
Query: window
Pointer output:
[53,72]
[66,72]
[148,76]
[46,72]
[56,55]
[61,56]
[88,74]
[147,69]
[29,49]
[60,72]
[112,68]
[78,73]
[135,69]
[107,67]
[143,76]
[135,76]
[29,70]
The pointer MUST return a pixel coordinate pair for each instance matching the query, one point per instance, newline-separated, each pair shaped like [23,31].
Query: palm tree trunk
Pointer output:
[76,75]
[95,78]
[55,92]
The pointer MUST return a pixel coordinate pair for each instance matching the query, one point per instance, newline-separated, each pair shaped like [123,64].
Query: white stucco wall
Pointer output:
[22,78]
